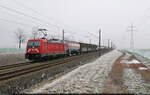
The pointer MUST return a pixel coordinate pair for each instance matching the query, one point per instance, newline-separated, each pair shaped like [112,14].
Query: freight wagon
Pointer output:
[85,48]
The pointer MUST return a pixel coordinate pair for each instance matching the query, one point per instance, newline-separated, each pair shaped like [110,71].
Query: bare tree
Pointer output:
[20,37]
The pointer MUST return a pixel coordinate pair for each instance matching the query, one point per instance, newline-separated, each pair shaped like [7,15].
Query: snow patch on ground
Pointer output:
[127,55]
[144,60]
[143,68]
[134,82]
[88,78]
[134,61]
[142,55]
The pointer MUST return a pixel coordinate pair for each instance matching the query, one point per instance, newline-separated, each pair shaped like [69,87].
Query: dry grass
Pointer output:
[144,73]
[114,84]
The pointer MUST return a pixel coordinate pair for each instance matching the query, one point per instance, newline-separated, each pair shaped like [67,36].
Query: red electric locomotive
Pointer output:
[43,48]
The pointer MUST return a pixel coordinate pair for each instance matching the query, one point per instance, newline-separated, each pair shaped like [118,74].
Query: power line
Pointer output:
[27,7]
[21,4]
[35,11]
[35,18]
[23,14]
[31,9]
[16,16]
[6,20]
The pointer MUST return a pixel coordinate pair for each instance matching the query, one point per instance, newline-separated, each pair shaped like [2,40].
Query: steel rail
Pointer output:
[23,64]
[21,70]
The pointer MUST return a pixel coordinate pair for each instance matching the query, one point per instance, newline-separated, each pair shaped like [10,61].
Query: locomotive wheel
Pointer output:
[69,53]
[45,58]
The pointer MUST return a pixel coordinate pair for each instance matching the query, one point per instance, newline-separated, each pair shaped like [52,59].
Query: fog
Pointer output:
[81,20]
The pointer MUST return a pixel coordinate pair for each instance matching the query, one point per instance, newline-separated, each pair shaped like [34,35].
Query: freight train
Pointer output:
[43,48]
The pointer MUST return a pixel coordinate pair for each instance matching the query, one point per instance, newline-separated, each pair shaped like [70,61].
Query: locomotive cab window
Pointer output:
[32,44]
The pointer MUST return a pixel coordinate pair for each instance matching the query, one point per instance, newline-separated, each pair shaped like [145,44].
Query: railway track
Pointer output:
[11,71]
[20,64]
[13,65]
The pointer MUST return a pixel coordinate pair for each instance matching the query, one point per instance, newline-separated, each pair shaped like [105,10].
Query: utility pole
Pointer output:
[90,41]
[111,45]
[63,35]
[108,43]
[131,30]
[99,42]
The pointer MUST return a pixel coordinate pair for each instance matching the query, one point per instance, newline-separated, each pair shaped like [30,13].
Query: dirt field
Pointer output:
[128,75]
[11,58]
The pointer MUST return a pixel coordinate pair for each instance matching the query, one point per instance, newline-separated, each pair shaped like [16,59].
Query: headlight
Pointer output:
[29,50]
[37,50]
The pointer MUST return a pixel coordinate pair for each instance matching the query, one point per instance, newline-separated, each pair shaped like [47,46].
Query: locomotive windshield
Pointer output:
[32,44]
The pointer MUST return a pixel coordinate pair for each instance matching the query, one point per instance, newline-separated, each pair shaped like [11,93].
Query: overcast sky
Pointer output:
[80,18]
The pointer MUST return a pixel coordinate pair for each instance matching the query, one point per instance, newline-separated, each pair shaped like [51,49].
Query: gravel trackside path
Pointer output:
[88,78]
[134,82]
